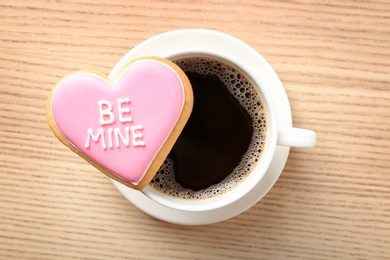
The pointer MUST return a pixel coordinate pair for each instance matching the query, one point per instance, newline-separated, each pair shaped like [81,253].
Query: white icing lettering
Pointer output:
[136,136]
[122,110]
[95,138]
[118,133]
[104,112]
[115,135]
[110,145]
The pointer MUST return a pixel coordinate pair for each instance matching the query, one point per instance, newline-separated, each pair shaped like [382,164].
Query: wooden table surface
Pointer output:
[331,202]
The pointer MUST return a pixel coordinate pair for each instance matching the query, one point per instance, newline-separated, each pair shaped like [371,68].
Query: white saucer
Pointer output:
[164,44]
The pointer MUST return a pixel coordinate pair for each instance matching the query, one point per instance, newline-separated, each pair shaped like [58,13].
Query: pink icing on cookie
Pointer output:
[121,125]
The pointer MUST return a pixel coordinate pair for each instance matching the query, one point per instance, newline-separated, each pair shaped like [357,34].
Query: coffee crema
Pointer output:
[205,163]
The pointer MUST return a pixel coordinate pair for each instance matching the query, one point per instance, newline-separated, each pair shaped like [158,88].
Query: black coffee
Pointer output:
[223,139]
[215,138]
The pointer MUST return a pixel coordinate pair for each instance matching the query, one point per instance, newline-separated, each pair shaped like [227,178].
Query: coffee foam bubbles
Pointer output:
[249,98]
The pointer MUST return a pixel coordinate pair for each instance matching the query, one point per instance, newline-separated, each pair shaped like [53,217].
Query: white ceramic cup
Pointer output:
[276,135]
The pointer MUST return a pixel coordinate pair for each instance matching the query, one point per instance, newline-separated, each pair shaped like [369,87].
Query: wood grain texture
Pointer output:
[331,202]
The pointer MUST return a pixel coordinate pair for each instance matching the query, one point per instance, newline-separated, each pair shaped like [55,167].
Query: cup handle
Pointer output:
[296,137]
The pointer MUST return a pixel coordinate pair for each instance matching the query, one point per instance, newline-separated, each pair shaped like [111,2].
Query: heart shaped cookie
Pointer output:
[125,126]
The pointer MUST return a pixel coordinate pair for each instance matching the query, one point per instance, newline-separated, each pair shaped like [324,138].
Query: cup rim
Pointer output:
[269,150]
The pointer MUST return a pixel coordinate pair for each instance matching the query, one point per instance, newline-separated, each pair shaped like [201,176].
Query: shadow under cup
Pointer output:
[248,89]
